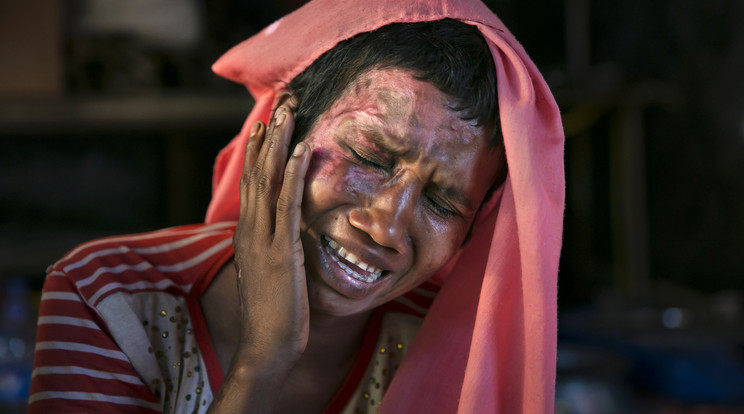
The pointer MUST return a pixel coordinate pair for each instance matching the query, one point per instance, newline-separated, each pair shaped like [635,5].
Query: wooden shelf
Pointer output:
[160,112]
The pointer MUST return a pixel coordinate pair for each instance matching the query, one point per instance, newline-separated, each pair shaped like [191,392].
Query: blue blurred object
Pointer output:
[665,356]
[695,373]
[592,380]
[16,342]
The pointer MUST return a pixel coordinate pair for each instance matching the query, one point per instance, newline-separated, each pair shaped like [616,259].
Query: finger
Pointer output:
[279,136]
[289,204]
[285,97]
[246,191]
[271,164]
[290,100]
[252,148]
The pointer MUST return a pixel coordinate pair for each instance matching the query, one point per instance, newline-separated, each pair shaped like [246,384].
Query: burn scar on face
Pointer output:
[390,158]
[388,111]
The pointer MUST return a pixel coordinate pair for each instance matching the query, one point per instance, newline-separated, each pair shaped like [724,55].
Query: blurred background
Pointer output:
[110,120]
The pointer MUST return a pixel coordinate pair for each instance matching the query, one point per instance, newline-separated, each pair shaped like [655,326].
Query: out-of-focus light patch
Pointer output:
[17,347]
[585,396]
[169,23]
[672,318]
[272,27]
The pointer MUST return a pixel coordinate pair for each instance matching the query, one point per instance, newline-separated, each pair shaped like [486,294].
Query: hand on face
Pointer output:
[268,252]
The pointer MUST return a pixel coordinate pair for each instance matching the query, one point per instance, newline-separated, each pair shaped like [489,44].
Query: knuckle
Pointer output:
[290,173]
[252,146]
[263,184]
[245,179]
[239,241]
[284,205]
[274,259]
[271,139]
[252,176]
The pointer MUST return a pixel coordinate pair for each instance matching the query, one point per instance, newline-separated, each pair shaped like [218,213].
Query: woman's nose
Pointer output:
[388,214]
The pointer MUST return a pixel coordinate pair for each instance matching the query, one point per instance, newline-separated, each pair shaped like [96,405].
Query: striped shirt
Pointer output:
[121,329]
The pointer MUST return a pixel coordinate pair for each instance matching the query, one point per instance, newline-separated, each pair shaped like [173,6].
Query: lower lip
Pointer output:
[337,278]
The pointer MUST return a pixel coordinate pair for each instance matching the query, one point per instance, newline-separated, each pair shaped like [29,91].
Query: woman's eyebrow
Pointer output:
[383,142]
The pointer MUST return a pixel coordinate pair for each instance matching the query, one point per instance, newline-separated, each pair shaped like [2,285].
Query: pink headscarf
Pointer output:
[488,342]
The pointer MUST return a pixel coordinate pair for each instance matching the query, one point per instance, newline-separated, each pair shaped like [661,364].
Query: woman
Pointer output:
[396,184]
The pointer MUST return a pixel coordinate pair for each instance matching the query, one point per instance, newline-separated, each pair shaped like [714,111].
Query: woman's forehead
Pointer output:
[392,112]
[390,101]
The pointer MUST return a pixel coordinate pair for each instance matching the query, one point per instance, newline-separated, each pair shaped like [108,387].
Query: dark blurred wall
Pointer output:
[681,61]
[126,139]
[110,120]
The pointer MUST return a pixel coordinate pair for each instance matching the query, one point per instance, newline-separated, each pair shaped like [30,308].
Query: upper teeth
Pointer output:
[374,272]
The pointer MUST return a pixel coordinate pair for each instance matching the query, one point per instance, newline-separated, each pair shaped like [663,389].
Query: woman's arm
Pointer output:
[270,265]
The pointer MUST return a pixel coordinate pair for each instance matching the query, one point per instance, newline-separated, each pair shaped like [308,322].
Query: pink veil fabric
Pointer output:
[488,343]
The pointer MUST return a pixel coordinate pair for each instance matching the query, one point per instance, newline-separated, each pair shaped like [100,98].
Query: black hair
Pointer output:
[451,55]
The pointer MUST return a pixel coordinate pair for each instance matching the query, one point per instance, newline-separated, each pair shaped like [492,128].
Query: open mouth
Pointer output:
[350,263]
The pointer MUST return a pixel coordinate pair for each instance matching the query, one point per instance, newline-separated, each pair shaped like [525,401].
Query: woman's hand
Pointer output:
[271,269]
[268,250]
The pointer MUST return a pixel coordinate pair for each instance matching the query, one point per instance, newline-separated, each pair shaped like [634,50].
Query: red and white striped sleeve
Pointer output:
[91,349]
[77,365]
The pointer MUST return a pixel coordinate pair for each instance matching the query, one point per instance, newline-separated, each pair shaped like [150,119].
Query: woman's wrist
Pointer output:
[253,383]
[275,353]
[250,363]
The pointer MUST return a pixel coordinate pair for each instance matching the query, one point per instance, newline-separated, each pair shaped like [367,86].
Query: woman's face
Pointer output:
[395,180]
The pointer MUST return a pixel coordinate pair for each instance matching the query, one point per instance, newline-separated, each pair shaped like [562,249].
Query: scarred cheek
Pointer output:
[361,181]
[327,172]
[323,164]
[332,169]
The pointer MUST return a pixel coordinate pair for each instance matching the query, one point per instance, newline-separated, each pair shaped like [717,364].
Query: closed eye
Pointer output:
[366,161]
[439,208]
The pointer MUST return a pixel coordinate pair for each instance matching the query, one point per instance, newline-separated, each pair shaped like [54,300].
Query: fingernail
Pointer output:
[299,150]
[254,128]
